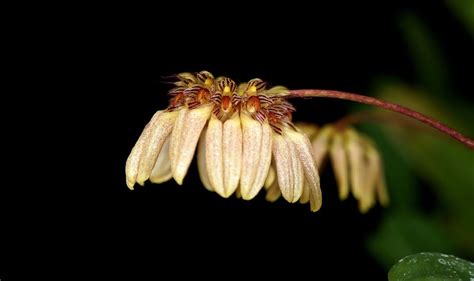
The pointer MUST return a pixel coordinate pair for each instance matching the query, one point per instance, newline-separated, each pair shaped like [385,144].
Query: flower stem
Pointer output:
[386,105]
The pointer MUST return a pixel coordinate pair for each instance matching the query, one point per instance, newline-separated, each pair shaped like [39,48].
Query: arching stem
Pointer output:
[386,105]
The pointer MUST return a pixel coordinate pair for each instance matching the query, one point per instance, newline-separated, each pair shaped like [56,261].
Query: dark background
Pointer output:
[156,227]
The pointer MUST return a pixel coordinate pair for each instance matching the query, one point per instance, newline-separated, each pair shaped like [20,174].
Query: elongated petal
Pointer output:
[271,177]
[264,161]
[297,172]
[195,121]
[340,166]
[161,129]
[162,170]
[177,136]
[381,188]
[201,161]
[371,172]
[273,192]
[320,144]
[306,193]
[214,158]
[232,154]
[354,153]
[133,160]
[251,145]
[281,153]
[305,153]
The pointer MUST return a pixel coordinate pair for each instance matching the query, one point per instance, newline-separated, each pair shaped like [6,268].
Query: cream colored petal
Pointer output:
[381,188]
[264,161]
[232,154]
[306,193]
[305,153]
[356,165]
[177,136]
[340,165]
[296,171]
[214,163]
[162,170]
[195,121]
[277,91]
[281,154]
[371,172]
[320,144]
[133,160]
[273,192]
[251,151]
[364,205]
[271,177]
[201,161]
[161,129]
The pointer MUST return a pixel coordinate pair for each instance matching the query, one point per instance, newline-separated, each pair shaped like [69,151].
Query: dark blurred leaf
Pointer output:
[431,266]
[440,161]
[402,233]
[430,66]
[464,10]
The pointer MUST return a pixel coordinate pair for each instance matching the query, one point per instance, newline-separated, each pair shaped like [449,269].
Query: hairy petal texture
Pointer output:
[340,166]
[160,130]
[194,122]
[201,161]
[133,160]
[264,162]
[232,154]
[305,153]
[162,170]
[214,163]
[251,151]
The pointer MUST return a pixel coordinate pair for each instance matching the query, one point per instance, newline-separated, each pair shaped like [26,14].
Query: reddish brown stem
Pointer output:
[387,105]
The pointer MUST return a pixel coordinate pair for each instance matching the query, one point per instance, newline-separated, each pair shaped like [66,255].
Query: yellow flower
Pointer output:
[356,163]
[236,130]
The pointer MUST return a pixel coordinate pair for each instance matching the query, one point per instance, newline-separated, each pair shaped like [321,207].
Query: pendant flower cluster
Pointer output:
[246,140]
[356,163]
[244,136]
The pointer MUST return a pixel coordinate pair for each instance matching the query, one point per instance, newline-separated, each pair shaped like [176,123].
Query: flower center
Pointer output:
[253,104]
[226,103]
[203,95]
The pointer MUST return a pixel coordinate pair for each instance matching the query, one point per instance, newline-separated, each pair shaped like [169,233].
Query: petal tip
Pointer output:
[130,185]
[178,179]
[314,209]
[248,196]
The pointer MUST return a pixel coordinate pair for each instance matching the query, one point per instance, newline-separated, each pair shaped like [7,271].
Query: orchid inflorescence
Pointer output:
[238,129]
[246,140]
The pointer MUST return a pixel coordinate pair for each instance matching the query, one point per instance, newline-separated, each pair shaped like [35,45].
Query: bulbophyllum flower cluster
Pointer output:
[245,140]
[244,136]
[356,162]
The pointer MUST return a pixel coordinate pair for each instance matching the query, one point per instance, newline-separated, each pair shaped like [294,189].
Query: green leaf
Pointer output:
[464,10]
[430,65]
[403,233]
[431,266]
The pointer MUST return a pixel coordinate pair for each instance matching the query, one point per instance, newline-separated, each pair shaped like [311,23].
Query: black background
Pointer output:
[92,221]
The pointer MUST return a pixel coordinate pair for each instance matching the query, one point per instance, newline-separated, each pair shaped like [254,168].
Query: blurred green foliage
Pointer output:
[464,10]
[417,156]
[430,66]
